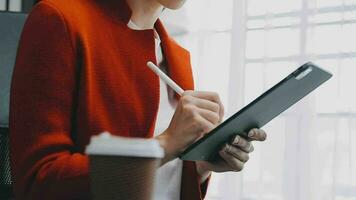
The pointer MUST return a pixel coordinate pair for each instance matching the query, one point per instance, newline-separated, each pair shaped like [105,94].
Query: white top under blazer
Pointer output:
[168,176]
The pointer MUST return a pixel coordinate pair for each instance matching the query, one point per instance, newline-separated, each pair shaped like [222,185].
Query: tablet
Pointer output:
[259,112]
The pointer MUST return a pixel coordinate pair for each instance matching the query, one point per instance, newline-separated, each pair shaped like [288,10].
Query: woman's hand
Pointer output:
[196,114]
[233,156]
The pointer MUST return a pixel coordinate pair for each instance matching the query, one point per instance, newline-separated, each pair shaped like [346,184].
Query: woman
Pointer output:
[81,70]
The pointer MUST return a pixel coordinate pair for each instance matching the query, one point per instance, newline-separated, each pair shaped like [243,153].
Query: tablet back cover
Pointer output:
[259,112]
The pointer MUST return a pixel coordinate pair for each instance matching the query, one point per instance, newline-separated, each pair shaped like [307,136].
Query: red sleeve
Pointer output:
[44,162]
[191,189]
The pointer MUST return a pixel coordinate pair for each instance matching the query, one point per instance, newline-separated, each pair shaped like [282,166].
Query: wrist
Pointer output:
[167,144]
[203,171]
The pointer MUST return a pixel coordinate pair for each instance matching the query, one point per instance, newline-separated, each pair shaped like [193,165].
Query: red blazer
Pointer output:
[81,71]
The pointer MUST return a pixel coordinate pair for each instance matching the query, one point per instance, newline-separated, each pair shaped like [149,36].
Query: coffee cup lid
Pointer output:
[107,144]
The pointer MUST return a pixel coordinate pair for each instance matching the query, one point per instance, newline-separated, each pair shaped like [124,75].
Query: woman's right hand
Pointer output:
[196,114]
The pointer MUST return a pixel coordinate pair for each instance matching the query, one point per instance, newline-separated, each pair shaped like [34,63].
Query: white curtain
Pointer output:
[240,48]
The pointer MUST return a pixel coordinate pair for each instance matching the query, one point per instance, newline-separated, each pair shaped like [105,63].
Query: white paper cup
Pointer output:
[123,168]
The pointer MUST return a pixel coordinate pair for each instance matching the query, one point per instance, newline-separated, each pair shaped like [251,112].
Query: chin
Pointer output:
[172,4]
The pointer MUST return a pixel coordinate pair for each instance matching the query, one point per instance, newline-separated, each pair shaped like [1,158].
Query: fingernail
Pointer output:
[251,134]
[227,148]
[236,140]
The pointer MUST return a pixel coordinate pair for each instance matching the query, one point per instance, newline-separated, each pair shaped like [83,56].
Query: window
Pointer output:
[10,5]
[280,36]
[242,48]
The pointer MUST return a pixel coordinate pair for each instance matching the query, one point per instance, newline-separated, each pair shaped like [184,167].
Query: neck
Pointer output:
[145,12]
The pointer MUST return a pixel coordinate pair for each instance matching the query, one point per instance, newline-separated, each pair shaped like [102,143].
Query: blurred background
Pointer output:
[241,48]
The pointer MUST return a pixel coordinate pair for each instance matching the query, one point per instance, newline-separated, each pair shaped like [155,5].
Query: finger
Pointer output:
[206,104]
[204,125]
[242,143]
[257,134]
[237,153]
[211,96]
[218,165]
[210,116]
[187,98]
[234,164]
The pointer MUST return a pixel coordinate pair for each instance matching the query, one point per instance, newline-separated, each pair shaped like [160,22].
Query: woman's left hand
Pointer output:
[233,156]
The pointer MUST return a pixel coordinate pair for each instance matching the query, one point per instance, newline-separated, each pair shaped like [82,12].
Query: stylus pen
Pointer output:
[165,78]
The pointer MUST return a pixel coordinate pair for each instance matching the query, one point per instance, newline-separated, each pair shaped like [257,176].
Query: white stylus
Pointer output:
[165,78]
